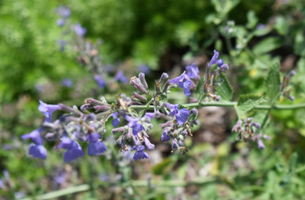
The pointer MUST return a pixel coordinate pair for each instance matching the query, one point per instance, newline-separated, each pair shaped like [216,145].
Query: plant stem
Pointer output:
[229,104]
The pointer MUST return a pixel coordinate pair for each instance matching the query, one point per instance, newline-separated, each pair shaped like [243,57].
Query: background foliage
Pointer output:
[165,35]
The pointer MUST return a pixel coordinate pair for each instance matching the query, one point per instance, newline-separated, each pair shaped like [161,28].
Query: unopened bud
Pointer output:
[224,67]
[143,80]
[163,77]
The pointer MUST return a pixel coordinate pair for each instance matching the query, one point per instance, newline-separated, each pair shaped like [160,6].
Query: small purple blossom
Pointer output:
[119,76]
[35,136]
[79,30]
[215,61]
[37,151]
[140,154]
[63,11]
[67,82]
[144,69]
[116,120]
[192,71]
[260,144]
[149,145]
[100,81]
[74,150]
[95,146]
[47,109]
[164,136]
[62,44]
[181,115]
[133,123]
[60,22]
[184,82]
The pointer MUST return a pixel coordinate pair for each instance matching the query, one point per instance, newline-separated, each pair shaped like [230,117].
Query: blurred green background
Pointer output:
[165,36]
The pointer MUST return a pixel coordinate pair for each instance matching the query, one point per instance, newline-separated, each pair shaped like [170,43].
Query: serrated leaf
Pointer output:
[246,103]
[199,88]
[225,90]
[273,83]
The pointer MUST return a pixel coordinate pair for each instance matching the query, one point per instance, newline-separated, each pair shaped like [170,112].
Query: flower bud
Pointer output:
[143,80]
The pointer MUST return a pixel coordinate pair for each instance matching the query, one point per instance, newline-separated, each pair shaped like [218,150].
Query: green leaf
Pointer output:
[267,45]
[225,90]
[273,83]
[199,88]
[252,19]
[246,103]
[292,162]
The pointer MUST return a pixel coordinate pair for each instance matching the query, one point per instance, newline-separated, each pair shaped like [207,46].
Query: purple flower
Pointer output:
[215,61]
[79,30]
[61,44]
[98,79]
[119,76]
[149,145]
[37,151]
[47,110]
[144,69]
[116,120]
[150,115]
[133,123]
[95,147]
[60,22]
[74,150]
[181,115]
[35,136]
[260,143]
[192,71]
[67,82]
[63,11]
[164,136]
[184,82]
[140,154]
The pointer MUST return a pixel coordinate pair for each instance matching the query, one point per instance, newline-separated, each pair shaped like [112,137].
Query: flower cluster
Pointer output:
[88,52]
[131,117]
[247,129]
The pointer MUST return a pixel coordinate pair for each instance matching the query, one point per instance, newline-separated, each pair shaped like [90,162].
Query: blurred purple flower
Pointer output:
[149,145]
[261,26]
[215,61]
[100,81]
[164,136]
[60,22]
[192,71]
[184,82]
[133,123]
[260,144]
[37,151]
[144,69]
[35,136]
[95,146]
[74,150]
[116,120]
[79,30]
[62,44]
[119,76]
[47,109]
[67,82]
[140,154]
[63,11]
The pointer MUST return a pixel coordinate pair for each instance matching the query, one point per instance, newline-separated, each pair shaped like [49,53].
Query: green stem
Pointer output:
[229,104]
[271,105]
[140,183]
